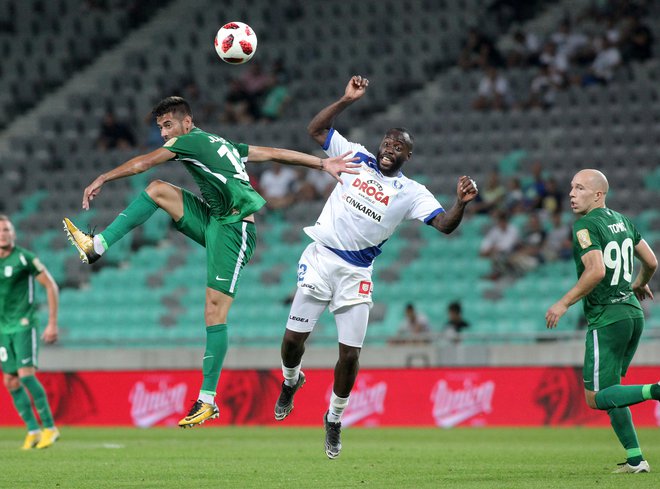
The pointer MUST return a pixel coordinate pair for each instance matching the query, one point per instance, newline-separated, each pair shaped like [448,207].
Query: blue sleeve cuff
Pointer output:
[328,138]
[433,214]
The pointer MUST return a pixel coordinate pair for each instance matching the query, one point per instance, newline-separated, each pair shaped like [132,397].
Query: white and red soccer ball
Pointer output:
[235,43]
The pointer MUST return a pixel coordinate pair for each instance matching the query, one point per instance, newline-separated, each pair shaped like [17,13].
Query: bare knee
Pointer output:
[217,307]
[590,397]
[349,355]
[12,382]
[158,189]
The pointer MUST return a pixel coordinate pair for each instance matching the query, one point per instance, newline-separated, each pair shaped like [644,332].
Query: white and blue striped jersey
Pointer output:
[363,212]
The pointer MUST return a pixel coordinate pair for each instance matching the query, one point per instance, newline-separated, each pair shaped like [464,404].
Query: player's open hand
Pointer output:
[356,87]
[50,334]
[340,164]
[466,189]
[92,190]
[556,311]
[643,292]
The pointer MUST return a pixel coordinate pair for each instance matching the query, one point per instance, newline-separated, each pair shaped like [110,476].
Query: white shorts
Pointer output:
[327,277]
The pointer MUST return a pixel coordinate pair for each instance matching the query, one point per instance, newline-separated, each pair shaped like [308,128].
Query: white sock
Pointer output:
[336,409]
[98,245]
[34,432]
[291,374]
[207,398]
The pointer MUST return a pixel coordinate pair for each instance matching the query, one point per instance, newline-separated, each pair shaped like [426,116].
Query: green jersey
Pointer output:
[615,236]
[218,167]
[17,306]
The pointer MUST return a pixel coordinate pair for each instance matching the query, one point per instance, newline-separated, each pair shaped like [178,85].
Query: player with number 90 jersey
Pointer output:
[612,299]
[222,178]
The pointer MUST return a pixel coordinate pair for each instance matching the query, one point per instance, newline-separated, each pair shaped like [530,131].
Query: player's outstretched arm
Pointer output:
[640,286]
[466,192]
[53,298]
[322,122]
[594,272]
[132,167]
[334,166]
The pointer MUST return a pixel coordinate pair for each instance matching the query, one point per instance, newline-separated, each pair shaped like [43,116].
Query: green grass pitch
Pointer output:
[293,458]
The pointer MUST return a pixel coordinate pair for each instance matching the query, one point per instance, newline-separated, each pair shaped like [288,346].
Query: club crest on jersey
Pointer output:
[8,271]
[364,289]
[583,238]
[373,189]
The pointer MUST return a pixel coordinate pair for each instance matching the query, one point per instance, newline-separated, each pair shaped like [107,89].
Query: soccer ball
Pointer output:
[235,43]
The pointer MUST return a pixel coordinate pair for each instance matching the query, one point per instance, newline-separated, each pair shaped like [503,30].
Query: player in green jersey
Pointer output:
[18,334]
[604,246]
[223,221]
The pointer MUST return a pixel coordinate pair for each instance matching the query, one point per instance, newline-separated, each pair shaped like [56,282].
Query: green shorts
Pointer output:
[609,351]
[18,350]
[228,246]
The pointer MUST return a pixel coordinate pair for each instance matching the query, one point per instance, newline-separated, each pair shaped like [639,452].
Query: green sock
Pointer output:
[40,399]
[214,357]
[618,395]
[24,408]
[621,421]
[137,212]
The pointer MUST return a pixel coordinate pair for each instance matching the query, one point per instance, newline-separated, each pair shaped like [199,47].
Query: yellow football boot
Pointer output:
[84,242]
[31,440]
[200,412]
[48,437]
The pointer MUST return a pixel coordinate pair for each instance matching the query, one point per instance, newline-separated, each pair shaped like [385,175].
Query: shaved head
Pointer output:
[594,179]
[588,191]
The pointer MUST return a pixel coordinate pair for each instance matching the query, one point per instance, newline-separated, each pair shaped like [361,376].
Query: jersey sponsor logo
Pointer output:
[364,289]
[373,189]
[9,270]
[583,238]
[170,142]
[151,405]
[363,208]
[298,319]
[452,407]
[308,286]
[366,401]
[618,227]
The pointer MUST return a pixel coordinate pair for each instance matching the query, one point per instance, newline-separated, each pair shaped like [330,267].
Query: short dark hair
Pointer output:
[455,307]
[404,131]
[176,105]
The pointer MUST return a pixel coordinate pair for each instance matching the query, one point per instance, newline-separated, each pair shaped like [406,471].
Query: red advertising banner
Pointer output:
[443,397]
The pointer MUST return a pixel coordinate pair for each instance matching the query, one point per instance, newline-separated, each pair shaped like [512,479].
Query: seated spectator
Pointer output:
[491,197]
[455,324]
[638,45]
[557,62]
[514,201]
[493,91]
[236,107]
[314,185]
[551,203]
[277,186]
[535,191]
[205,107]
[414,329]
[498,244]
[277,97]
[525,49]
[570,43]
[114,134]
[544,88]
[558,243]
[604,65]
[528,254]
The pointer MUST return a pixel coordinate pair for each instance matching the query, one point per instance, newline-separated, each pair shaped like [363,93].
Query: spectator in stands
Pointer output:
[557,62]
[552,198]
[277,185]
[18,334]
[491,197]
[544,87]
[528,253]
[535,191]
[413,330]
[205,107]
[525,49]
[570,43]
[114,134]
[314,186]
[638,45]
[557,244]
[277,96]
[456,323]
[493,92]
[236,108]
[514,201]
[335,270]
[498,244]
[604,65]
[478,51]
